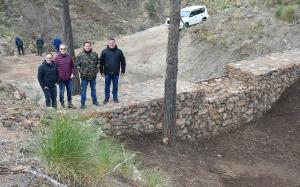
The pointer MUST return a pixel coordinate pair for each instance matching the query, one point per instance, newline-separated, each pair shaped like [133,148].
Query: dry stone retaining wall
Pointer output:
[215,106]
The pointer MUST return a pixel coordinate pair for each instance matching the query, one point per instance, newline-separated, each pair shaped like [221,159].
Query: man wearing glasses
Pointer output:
[65,66]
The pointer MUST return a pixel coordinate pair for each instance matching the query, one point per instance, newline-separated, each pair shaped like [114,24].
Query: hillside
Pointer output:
[244,31]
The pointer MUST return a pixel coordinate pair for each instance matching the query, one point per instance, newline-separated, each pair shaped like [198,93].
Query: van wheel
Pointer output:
[204,19]
[187,25]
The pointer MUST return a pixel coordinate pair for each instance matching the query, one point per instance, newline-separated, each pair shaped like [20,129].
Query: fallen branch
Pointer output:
[22,169]
[45,177]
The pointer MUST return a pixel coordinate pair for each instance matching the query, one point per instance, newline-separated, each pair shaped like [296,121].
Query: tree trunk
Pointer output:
[169,130]
[68,38]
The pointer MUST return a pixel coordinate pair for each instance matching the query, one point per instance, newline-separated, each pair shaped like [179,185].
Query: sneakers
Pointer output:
[105,101]
[82,106]
[63,105]
[70,105]
[96,104]
[116,100]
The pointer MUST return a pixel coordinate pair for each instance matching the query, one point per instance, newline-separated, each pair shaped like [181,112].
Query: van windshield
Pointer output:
[184,13]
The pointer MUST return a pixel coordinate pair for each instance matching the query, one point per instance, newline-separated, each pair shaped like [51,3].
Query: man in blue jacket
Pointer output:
[56,43]
[112,60]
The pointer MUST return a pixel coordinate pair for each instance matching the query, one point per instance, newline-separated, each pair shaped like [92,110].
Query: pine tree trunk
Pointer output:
[68,38]
[169,130]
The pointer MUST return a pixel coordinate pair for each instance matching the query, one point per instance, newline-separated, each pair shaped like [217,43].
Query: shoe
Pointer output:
[82,106]
[70,105]
[96,104]
[116,100]
[63,105]
[105,101]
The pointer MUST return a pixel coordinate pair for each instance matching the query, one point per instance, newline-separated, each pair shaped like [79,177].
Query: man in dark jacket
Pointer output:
[20,45]
[56,43]
[48,77]
[65,66]
[112,60]
[40,45]
[87,63]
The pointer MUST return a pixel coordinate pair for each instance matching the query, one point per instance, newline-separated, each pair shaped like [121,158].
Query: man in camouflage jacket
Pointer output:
[88,65]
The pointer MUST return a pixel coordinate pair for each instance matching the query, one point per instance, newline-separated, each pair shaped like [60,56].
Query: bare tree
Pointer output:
[169,130]
[68,38]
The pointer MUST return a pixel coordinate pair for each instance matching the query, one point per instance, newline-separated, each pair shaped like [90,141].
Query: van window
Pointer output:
[193,13]
[200,11]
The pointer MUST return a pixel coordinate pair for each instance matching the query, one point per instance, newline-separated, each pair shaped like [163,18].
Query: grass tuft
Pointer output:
[287,13]
[154,178]
[75,149]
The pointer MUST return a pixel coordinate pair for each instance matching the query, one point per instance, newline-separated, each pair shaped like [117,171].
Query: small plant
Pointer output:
[150,7]
[154,178]
[222,4]
[68,149]
[76,150]
[287,12]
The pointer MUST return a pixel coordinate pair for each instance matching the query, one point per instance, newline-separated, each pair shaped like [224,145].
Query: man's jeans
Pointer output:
[62,85]
[84,84]
[40,51]
[115,80]
[50,97]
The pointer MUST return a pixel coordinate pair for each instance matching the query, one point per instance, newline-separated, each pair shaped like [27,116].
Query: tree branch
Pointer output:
[22,169]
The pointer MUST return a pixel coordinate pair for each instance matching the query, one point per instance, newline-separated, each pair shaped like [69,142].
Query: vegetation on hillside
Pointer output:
[75,149]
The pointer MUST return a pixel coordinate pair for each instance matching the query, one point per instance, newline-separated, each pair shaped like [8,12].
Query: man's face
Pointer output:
[87,47]
[111,44]
[63,49]
[49,58]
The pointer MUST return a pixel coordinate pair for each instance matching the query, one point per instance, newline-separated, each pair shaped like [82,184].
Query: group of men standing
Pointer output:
[60,70]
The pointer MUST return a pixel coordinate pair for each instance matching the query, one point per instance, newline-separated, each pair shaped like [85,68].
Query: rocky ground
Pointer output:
[18,120]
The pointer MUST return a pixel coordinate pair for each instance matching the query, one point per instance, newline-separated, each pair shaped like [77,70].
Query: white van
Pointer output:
[191,15]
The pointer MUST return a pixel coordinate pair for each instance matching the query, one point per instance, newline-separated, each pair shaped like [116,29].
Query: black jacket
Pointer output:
[111,60]
[40,42]
[47,75]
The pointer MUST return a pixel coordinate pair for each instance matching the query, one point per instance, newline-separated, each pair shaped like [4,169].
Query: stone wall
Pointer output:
[215,106]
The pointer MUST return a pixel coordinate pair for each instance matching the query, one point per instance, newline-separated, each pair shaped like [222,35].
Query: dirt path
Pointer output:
[265,153]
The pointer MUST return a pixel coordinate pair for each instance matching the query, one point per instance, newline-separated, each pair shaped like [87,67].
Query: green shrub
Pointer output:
[69,149]
[286,12]
[154,178]
[76,149]
[150,7]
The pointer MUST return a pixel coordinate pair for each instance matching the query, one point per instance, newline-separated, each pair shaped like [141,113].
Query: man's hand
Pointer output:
[102,74]
[72,75]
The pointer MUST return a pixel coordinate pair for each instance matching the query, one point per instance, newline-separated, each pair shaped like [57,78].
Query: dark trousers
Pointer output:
[62,85]
[40,51]
[115,80]
[84,84]
[21,48]
[56,49]
[50,97]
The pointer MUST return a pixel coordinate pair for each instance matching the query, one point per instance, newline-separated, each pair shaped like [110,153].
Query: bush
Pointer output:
[286,13]
[76,150]
[150,7]
[69,148]
[154,178]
